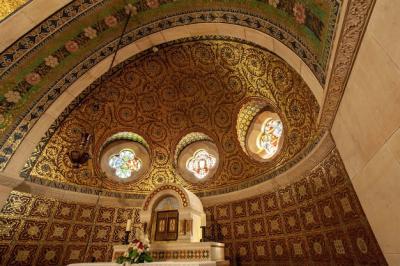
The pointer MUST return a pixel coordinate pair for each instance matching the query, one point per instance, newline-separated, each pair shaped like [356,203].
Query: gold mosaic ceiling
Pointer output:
[187,86]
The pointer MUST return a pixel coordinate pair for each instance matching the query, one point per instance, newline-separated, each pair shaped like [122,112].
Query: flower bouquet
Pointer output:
[137,253]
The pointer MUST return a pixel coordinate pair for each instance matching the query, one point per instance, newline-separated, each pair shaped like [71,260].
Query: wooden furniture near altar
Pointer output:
[172,218]
[166,226]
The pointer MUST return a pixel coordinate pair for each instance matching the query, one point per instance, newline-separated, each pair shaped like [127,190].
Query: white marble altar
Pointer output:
[164,263]
[178,251]
[185,246]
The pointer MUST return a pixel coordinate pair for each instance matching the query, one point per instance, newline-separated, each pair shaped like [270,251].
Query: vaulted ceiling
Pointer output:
[38,68]
[189,86]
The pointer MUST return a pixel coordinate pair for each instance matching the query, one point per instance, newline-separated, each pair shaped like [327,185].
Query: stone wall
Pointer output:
[367,127]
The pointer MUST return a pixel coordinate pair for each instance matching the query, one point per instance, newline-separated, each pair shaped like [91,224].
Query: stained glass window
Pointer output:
[125,163]
[270,136]
[201,163]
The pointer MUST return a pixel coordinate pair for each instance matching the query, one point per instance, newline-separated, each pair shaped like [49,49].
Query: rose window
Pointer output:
[125,163]
[201,163]
[270,136]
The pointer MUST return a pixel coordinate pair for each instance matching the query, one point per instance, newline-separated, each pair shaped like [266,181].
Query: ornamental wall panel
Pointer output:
[329,227]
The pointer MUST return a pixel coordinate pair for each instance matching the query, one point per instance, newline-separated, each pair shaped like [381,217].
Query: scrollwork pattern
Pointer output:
[188,97]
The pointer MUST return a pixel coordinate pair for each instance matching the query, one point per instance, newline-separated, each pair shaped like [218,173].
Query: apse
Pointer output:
[204,132]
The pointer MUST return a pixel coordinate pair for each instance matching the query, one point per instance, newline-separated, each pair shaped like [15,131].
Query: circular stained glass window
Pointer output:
[270,135]
[201,163]
[125,163]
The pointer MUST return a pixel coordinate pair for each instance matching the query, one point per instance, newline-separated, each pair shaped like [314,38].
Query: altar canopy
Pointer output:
[172,218]
[172,213]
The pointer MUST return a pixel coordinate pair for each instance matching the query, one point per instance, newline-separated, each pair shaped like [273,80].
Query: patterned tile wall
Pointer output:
[41,231]
[315,221]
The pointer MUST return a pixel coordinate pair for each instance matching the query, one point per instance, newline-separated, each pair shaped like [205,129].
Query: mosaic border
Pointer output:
[353,29]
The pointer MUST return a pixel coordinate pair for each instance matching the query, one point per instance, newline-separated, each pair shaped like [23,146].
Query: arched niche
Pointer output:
[190,211]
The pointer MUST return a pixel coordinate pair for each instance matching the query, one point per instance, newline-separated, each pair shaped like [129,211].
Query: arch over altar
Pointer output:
[189,209]
[172,217]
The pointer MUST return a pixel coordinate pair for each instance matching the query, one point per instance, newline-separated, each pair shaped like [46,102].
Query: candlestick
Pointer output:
[126,238]
[203,234]
[129,225]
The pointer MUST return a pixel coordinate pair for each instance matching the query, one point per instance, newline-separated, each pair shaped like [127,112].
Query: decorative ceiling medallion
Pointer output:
[187,85]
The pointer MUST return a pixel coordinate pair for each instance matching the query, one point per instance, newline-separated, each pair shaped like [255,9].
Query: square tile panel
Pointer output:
[65,211]
[309,217]
[42,208]
[243,251]
[58,231]
[319,251]
[261,251]
[241,229]
[223,212]
[298,249]
[257,227]
[8,228]
[33,230]
[318,181]
[80,232]
[271,202]
[50,255]
[292,221]
[22,255]
[17,204]
[327,211]
[275,224]
[302,190]
[286,198]
[239,209]
[74,254]
[279,250]
[105,215]
[340,247]
[254,206]
[86,213]
[123,215]
[101,233]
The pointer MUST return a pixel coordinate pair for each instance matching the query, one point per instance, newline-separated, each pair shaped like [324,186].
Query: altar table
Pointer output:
[162,263]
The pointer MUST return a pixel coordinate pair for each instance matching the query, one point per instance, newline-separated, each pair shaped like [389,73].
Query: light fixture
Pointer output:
[80,154]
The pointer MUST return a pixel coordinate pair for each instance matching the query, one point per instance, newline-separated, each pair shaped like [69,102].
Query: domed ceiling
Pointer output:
[39,66]
[192,85]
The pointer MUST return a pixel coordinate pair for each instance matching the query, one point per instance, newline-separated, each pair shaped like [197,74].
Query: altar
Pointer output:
[164,263]
[172,219]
